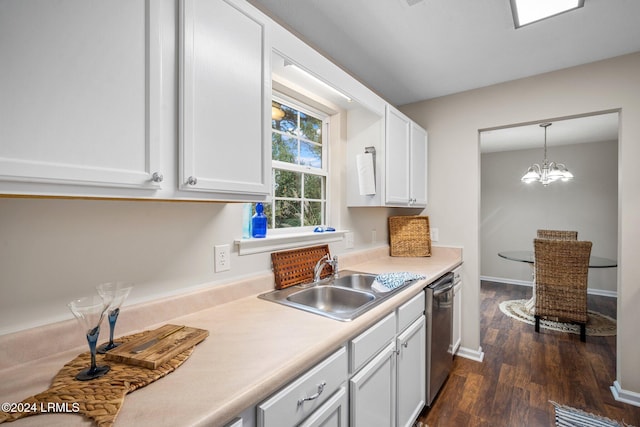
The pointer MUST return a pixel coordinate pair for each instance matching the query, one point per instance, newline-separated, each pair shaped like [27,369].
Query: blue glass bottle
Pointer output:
[259,222]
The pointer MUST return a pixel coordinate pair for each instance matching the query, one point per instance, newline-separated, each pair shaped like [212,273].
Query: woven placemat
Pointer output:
[100,399]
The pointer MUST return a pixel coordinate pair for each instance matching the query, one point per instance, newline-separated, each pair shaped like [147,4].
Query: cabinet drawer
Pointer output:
[370,342]
[410,311]
[299,399]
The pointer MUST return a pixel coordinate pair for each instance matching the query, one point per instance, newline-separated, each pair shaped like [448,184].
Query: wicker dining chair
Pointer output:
[561,268]
[558,234]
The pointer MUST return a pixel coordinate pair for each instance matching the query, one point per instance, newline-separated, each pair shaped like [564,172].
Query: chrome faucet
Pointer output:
[326,259]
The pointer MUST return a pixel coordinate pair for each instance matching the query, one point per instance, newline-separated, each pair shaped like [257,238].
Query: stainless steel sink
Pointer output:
[359,281]
[331,299]
[342,298]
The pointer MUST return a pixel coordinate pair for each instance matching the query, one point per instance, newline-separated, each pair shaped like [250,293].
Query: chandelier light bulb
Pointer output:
[550,171]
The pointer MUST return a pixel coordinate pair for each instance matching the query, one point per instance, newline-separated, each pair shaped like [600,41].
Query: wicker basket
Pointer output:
[296,266]
[409,236]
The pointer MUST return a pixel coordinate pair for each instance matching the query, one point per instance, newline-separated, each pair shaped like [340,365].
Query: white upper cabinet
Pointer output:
[225,87]
[406,161]
[400,163]
[398,150]
[418,167]
[79,97]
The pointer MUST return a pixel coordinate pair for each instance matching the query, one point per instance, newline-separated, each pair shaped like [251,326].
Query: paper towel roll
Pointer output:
[366,176]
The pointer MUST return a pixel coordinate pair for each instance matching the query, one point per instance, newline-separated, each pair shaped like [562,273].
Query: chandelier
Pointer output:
[549,171]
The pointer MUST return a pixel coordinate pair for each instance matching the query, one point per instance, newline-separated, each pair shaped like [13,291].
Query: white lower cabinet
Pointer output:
[373,391]
[389,390]
[305,396]
[378,379]
[411,352]
[457,311]
[334,413]
[235,423]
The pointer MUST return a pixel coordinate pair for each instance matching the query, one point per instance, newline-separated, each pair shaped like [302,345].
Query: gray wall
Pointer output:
[453,123]
[512,211]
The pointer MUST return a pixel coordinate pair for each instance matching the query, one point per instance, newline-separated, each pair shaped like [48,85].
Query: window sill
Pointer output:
[286,241]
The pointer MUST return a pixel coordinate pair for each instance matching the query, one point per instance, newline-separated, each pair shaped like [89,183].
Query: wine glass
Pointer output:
[116,293]
[90,311]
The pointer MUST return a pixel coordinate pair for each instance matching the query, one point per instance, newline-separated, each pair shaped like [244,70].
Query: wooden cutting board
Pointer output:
[162,351]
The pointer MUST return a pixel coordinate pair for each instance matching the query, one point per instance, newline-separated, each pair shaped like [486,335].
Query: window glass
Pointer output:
[287,184]
[299,167]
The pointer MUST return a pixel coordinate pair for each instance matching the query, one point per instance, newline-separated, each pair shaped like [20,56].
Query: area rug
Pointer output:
[598,325]
[567,416]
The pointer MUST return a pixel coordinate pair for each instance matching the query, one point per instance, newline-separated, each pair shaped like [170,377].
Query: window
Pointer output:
[299,166]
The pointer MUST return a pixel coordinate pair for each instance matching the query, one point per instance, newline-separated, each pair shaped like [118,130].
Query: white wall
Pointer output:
[453,123]
[512,211]
[54,250]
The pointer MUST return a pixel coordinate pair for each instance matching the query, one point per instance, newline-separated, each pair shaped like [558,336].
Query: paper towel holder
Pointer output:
[372,151]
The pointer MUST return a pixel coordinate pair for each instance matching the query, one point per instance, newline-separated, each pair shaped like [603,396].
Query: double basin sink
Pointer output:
[341,298]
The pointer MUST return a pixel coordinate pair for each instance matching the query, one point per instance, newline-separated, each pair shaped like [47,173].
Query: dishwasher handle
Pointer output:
[442,285]
[442,289]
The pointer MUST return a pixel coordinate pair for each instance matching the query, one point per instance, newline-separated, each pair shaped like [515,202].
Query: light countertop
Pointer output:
[255,347]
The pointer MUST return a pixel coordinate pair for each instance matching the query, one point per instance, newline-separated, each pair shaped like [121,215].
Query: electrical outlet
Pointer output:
[373,236]
[348,240]
[222,258]
[435,234]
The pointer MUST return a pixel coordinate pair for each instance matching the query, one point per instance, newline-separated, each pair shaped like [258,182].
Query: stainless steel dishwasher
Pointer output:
[439,312]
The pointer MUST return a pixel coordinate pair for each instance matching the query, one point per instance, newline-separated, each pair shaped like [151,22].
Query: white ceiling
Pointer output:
[439,47]
[599,128]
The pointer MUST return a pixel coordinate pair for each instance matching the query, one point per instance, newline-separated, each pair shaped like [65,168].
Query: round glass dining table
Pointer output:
[527,256]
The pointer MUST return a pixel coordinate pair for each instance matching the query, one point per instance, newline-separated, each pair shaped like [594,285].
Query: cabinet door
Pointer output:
[411,346]
[225,86]
[397,158]
[457,318]
[418,166]
[372,391]
[334,413]
[80,85]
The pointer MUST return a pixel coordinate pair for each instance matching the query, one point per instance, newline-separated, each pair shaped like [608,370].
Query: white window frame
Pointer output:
[295,237]
[324,171]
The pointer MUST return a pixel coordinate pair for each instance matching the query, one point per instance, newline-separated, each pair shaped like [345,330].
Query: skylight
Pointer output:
[528,11]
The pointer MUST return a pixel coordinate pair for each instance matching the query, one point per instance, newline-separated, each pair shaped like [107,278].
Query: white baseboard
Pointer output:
[590,291]
[630,397]
[467,353]
[603,293]
[508,281]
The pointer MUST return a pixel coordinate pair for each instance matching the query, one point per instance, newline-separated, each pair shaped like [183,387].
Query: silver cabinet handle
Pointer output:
[192,180]
[321,387]
[399,350]
[157,177]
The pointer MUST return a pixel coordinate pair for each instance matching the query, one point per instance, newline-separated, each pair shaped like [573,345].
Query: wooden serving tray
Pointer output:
[160,352]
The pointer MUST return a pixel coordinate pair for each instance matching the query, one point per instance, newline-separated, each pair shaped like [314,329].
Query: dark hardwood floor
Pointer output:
[522,371]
